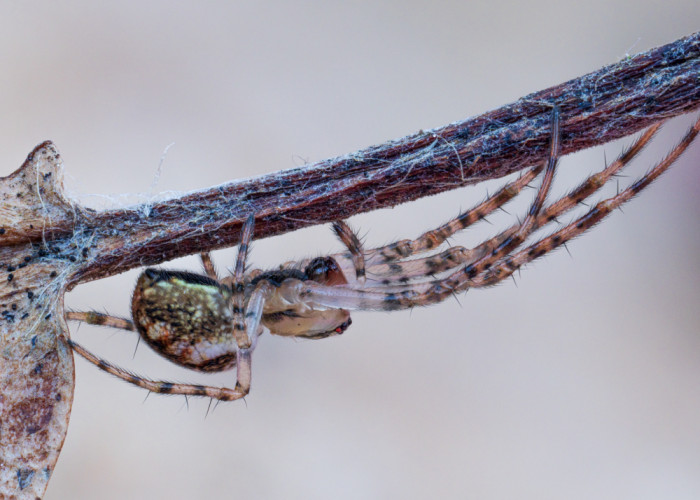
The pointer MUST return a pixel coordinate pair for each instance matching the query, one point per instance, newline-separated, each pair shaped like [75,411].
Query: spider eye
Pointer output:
[325,270]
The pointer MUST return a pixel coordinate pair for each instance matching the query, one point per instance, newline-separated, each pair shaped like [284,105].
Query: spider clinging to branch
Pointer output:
[210,324]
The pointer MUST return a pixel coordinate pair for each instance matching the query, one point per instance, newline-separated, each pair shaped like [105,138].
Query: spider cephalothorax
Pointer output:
[296,319]
[211,324]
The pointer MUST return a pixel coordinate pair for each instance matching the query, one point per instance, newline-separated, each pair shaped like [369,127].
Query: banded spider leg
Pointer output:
[399,293]
[601,210]
[386,264]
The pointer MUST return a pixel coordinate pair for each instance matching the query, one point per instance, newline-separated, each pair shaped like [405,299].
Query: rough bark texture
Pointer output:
[49,244]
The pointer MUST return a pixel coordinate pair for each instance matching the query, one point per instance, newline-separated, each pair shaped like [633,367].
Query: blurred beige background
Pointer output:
[583,381]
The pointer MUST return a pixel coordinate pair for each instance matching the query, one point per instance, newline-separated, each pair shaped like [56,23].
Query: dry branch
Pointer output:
[48,244]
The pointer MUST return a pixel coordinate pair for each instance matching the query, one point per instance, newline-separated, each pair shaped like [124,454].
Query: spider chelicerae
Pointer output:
[210,324]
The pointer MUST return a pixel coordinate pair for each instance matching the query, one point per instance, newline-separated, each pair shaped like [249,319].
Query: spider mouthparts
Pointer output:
[341,328]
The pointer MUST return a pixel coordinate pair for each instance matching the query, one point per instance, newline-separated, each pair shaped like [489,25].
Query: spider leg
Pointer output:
[208,265]
[243,247]
[246,319]
[253,315]
[240,333]
[434,238]
[596,181]
[529,223]
[438,290]
[582,191]
[602,209]
[428,266]
[254,309]
[95,318]
[161,387]
[354,245]
[455,256]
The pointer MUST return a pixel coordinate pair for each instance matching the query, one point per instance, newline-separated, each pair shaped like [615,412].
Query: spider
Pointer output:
[210,324]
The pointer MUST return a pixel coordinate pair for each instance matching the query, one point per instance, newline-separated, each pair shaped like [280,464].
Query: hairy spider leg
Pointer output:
[381,261]
[386,264]
[354,246]
[208,266]
[597,180]
[582,191]
[434,264]
[253,317]
[161,387]
[418,294]
[246,337]
[243,337]
[101,319]
[591,218]
[435,237]
[527,226]
[432,239]
[416,269]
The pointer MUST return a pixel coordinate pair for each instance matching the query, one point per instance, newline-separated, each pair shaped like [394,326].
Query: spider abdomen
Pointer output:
[186,318]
